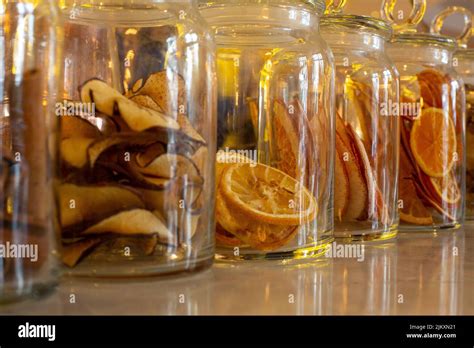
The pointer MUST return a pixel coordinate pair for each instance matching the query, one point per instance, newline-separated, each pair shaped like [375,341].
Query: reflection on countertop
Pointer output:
[417,274]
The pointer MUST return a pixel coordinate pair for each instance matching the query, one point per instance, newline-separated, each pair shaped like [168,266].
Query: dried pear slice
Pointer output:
[149,154]
[165,88]
[74,151]
[72,253]
[111,102]
[189,130]
[100,146]
[170,166]
[81,204]
[146,101]
[132,222]
[139,246]
[75,126]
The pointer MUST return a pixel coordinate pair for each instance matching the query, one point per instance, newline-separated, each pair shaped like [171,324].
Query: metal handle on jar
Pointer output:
[438,22]
[408,25]
[335,7]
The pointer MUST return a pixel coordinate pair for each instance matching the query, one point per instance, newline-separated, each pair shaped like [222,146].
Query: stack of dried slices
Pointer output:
[133,173]
[430,153]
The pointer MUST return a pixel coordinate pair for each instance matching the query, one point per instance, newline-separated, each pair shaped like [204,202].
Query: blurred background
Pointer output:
[454,24]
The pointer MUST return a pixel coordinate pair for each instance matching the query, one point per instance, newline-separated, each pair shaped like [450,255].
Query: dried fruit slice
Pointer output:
[74,151]
[267,195]
[169,166]
[146,101]
[82,204]
[431,87]
[286,140]
[111,102]
[132,222]
[433,142]
[75,126]
[166,88]
[358,191]
[413,210]
[256,234]
[446,189]
[224,238]
[366,168]
[131,140]
[138,246]
[72,253]
[341,188]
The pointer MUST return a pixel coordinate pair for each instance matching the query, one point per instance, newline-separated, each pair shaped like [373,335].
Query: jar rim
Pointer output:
[362,23]
[313,5]
[426,39]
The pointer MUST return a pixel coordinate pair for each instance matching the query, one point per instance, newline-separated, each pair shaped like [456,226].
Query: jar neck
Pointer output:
[341,41]
[285,17]
[433,55]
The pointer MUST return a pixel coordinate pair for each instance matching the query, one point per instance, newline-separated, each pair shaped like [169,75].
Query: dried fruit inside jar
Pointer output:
[432,152]
[366,157]
[133,174]
[469,151]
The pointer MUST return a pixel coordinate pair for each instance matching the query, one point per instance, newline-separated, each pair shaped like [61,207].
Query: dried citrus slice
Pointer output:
[447,189]
[433,142]
[267,195]
[256,234]
[412,210]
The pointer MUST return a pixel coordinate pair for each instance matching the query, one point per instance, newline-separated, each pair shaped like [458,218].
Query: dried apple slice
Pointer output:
[74,151]
[132,222]
[72,253]
[88,204]
[77,127]
[366,168]
[286,140]
[341,189]
[145,157]
[111,102]
[358,191]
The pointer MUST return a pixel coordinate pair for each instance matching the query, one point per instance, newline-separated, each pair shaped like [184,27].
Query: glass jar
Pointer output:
[432,153]
[137,138]
[275,129]
[30,41]
[367,126]
[463,63]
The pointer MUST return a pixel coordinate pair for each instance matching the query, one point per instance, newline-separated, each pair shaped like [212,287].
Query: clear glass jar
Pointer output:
[30,41]
[137,138]
[463,63]
[275,129]
[367,126]
[432,152]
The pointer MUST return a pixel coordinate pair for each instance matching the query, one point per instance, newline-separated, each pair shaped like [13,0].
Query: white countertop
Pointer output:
[417,274]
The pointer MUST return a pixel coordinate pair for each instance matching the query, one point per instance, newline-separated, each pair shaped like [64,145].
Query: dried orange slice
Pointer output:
[267,195]
[447,189]
[256,234]
[433,142]
[413,210]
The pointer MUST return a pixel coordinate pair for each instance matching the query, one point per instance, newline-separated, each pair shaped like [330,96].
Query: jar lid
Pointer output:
[426,39]
[359,23]
[314,5]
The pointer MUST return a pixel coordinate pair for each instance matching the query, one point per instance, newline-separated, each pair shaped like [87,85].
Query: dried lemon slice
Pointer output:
[266,194]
